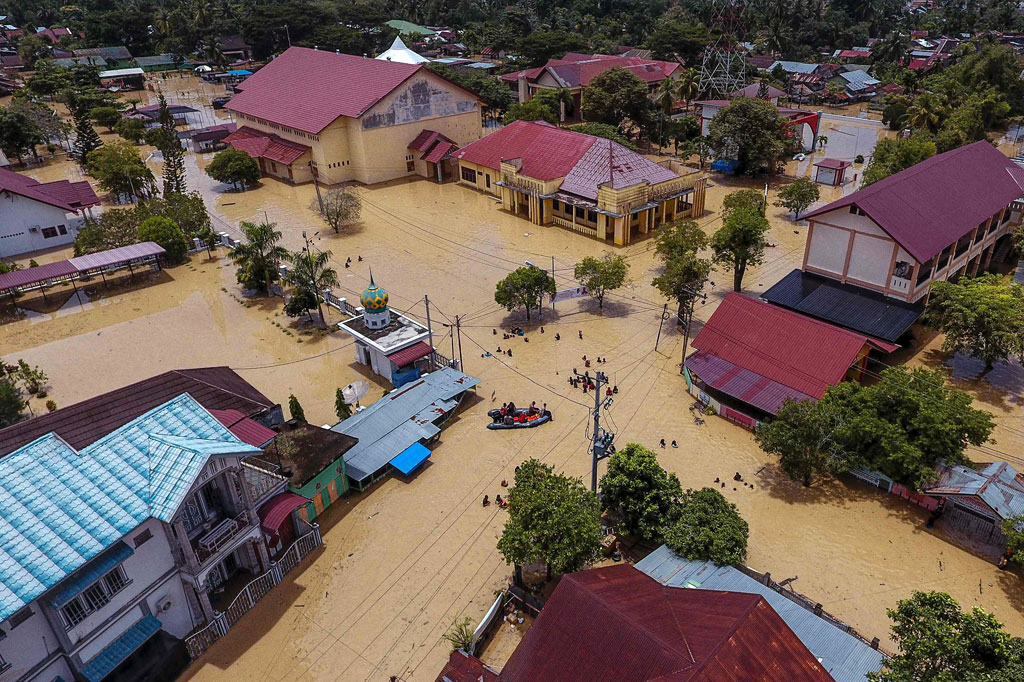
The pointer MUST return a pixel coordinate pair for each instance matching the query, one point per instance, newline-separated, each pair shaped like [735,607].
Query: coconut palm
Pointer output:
[311,271]
[688,85]
[258,255]
[663,98]
[927,111]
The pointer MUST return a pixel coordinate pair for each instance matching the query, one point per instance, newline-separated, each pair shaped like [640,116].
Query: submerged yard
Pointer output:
[402,559]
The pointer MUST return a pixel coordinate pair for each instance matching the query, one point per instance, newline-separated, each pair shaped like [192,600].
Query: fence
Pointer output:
[222,621]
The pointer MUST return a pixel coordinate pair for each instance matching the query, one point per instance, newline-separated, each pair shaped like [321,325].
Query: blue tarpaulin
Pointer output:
[411,458]
[115,653]
[240,72]
[725,165]
[90,573]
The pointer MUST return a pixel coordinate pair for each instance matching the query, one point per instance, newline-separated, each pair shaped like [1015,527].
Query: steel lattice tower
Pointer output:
[723,66]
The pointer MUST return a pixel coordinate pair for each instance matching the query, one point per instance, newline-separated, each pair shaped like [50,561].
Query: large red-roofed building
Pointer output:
[35,215]
[348,118]
[588,184]
[616,624]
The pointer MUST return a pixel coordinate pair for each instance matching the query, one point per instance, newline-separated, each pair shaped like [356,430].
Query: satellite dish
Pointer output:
[354,391]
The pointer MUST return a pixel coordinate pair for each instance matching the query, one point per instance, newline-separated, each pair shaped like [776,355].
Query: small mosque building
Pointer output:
[392,345]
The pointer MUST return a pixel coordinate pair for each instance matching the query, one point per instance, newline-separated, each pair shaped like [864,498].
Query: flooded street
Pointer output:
[404,558]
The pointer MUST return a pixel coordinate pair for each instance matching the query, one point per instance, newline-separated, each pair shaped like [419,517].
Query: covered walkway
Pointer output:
[80,267]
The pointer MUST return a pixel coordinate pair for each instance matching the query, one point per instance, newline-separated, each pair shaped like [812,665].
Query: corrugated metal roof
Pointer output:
[793,67]
[846,658]
[257,144]
[930,205]
[103,663]
[142,470]
[794,350]
[308,89]
[616,624]
[462,667]
[27,276]
[30,188]
[278,508]
[399,419]
[997,484]
[118,256]
[743,384]
[846,305]
[610,162]
[859,80]
[245,429]
[410,354]
[547,152]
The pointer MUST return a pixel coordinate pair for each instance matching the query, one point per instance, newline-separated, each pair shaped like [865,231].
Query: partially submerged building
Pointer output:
[40,215]
[129,78]
[346,118]
[583,183]
[617,623]
[751,357]
[871,257]
[393,432]
[975,502]
[153,518]
[844,655]
[392,345]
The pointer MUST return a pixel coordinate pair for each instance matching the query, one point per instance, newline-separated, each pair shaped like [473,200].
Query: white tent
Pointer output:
[398,52]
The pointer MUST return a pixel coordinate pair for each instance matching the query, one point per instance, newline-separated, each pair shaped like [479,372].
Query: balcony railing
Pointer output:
[219,536]
[900,284]
[578,227]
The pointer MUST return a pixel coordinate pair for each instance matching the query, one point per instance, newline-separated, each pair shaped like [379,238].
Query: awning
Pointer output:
[409,355]
[411,458]
[90,573]
[115,653]
[278,508]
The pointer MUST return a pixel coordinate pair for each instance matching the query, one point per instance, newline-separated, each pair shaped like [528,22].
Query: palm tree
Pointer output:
[563,98]
[258,255]
[664,97]
[926,112]
[688,85]
[891,49]
[310,270]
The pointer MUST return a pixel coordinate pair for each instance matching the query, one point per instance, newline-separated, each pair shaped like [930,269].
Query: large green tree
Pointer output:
[616,96]
[601,275]
[87,140]
[19,133]
[530,110]
[805,437]
[740,242]
[940,642]
[708,527]
[173,153]
[752,132]
[121,171]
[982,317]
[114,228]
[235,167]
[311,272]
[893,155]
[552,518]
[524,288]
[798,195]
[640,491]
[167,234]
[684,270]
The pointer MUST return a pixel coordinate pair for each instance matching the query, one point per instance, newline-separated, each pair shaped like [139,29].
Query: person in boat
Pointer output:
[533,407]
[508,419]
[511,408]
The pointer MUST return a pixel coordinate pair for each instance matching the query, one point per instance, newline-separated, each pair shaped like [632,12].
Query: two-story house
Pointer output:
[871,257]
[111,554]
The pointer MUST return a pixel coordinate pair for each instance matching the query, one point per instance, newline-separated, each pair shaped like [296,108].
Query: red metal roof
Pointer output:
[548,152]
[426,139]
[853,54]
[308,89]
[440,150]
[616,624]
[462,667]
[411,354]
[742,384]
[245,429]
[58,194]
[277,509]
[837,164]
[257,143]
[797,351]
[929,206]
[576,70]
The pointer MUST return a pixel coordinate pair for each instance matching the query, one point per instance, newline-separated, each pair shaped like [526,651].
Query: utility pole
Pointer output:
[601,446]
[430,334]
[664,314]
[553,279]
[686,323]
[288,34]
[458,330]
[316,185]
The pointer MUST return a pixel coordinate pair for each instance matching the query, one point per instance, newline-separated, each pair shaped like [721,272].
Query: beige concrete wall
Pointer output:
[870,260]
[826,248]
[481,178]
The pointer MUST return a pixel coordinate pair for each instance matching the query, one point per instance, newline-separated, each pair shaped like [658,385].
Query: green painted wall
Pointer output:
[320,486]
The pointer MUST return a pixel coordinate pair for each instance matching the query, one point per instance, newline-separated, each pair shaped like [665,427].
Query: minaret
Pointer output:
[374,299]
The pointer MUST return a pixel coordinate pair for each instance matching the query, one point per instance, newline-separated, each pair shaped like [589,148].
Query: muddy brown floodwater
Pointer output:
[402,560]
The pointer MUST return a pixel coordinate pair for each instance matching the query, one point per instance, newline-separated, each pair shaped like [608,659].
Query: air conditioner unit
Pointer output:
[164,604]
[33,228]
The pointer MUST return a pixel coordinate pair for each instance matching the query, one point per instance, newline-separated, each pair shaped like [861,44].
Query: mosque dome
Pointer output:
[374,298]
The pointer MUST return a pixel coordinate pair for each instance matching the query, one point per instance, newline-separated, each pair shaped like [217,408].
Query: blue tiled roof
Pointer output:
[100,665]
[60,508]
[846,658]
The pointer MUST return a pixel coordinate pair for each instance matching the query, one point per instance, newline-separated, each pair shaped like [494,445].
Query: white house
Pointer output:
[40,215]
[114,553]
